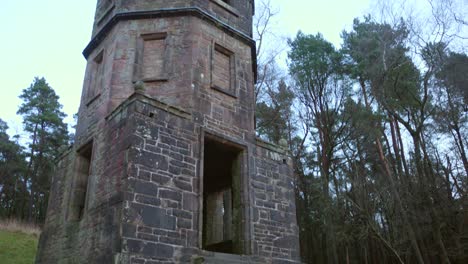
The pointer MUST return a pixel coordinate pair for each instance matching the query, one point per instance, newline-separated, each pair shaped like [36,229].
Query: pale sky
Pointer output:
[46,38]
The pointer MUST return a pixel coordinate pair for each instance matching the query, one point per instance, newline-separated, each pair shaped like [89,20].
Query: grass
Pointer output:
[18,242]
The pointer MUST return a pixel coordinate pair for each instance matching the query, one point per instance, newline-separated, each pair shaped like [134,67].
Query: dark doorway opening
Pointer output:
[222,209]
[80,185]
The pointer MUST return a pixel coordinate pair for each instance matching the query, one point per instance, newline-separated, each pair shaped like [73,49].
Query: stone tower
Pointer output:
[166,167]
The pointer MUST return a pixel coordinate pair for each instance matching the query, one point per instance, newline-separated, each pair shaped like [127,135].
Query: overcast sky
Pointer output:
[46,38]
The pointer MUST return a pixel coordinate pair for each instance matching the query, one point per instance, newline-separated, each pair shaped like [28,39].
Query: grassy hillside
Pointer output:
[17,246]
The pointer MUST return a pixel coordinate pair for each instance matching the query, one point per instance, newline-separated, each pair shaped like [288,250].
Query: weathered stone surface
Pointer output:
[158,250]
[145,200]
[154,217]
[146,188]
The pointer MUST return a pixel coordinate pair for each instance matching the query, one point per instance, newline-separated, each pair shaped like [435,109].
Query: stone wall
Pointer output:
[274,220]
[188,83]
[161,222]
[161,203]
[144,205]
[144,197]
[95,237]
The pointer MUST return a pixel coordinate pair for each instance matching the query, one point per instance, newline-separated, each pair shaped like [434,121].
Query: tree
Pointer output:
[266,54]
[378,133]
[274,119]
[379,59]
[270,97]
[377,52]
[321,88]
[43,120]
[452,96]
[12,166]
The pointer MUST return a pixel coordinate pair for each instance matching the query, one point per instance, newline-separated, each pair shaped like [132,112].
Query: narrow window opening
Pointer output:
[153,59]
[96,80]
[222,212]
[83,171]
[223,70]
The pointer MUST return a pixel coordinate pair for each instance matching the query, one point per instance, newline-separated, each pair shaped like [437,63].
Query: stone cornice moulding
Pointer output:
[167,12]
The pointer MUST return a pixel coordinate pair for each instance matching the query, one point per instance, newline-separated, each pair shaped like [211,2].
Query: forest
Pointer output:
[26,168]
[378,132]
[377,129]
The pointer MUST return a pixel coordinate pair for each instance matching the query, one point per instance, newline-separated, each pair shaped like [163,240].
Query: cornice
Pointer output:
[171,12]
[166,12]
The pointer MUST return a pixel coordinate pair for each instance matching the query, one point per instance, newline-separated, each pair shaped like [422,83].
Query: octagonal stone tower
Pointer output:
[166,167]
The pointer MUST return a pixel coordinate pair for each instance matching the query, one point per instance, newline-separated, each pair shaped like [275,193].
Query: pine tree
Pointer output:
[43,120]
[274,118]
[316,68]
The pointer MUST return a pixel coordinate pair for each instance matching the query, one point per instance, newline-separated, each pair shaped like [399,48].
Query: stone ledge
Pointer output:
[140,97]
[215,257]
[270,146]
[224,91]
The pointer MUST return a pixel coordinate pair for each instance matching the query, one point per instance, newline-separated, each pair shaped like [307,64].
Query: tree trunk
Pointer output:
[30,174]
[461,146]
[395,145]
[402,151]
[395,193]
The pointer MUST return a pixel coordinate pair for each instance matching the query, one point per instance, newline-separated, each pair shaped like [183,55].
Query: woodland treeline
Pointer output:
[378,132]
[26,166]
[377,129]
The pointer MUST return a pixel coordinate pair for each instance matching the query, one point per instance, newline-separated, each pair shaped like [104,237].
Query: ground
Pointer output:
[17,247]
